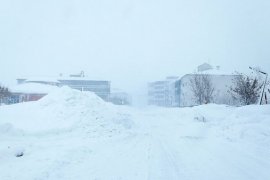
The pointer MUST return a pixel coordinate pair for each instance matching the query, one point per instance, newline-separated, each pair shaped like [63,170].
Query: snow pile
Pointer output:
[204,142]
[248,123]
[64,109]
[71,97]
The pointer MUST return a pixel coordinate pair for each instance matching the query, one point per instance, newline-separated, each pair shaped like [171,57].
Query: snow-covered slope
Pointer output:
[75,135]
[62,110]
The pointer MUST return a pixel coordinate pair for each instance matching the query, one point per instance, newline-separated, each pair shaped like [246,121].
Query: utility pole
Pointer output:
[266,76]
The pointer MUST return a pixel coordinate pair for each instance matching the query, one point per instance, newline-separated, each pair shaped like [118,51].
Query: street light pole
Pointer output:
[263,89]
[266,76]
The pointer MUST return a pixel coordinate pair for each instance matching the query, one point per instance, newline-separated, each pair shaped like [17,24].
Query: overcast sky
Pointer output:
[130,42]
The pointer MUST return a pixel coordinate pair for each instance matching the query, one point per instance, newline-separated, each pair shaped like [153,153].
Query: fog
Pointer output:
[131,42]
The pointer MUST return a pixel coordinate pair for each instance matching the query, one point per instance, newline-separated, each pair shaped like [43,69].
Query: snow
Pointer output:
[57,79]
[217,72]
[221,94]
[70,134]
[42,79]
[33,88]
[62,110]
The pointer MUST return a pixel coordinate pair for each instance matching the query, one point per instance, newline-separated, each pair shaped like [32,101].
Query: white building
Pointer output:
[102,88]
[222,82]
[221,95]
[29,92]
[164,93]
[120,97]
[204,67]
[175,92]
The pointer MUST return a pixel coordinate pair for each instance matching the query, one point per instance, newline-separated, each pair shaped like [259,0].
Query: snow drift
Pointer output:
[75,135]
[64,109]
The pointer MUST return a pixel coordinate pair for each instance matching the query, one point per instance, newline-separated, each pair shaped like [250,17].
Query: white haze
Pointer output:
[131,42]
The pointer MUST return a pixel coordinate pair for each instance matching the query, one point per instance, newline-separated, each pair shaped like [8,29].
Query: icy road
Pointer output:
[77,136]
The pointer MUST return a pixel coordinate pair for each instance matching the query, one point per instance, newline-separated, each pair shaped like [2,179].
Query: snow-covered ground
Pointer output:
[75,135]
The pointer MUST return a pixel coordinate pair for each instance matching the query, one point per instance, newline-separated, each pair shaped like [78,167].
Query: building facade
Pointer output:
[101,88]
[29,92]
[177,92]
[221,84]
[164,93]
[120,97]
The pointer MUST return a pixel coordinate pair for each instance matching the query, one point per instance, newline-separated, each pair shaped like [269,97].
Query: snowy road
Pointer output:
[162,146]
[201,143]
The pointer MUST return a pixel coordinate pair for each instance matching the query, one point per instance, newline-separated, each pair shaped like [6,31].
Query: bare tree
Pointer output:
[202,88]
[4,93]
[245,89]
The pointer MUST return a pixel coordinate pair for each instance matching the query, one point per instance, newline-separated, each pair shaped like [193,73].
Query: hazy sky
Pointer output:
[131,41]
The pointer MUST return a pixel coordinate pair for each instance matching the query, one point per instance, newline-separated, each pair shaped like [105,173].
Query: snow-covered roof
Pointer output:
[85,78]
[214,72]
[34,88]
[204,67]
[56,79]
[217,72]
[43,79]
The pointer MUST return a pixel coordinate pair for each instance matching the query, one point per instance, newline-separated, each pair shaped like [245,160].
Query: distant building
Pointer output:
[204,67]
[39,80]
[175,92]
[99,87]
[29,92]
[221,81]
[75,81]
[119,97]
[164,93]
[221,84]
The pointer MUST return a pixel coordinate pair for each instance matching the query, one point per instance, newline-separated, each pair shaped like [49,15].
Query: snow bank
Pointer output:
[204,142]
[64,109]
[247,123]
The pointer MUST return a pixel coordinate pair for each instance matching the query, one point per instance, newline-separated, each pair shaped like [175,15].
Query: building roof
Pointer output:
[213,72]
[79,78]
[217,72]
[43,79]
[56,79]
[33,88]
[204,67]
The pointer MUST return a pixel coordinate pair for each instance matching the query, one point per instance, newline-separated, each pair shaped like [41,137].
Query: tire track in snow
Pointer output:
[161,161]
